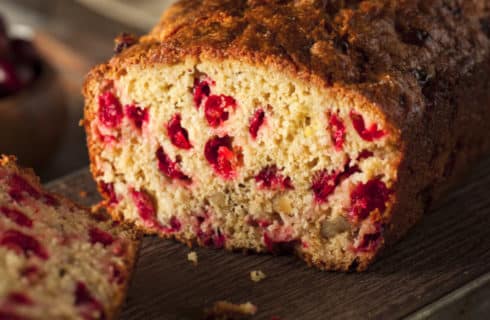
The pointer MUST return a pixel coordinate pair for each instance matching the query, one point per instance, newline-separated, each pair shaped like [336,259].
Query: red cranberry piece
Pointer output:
[110,110]
[201,91]
[108,191]
[9,315]
[279,246]
[365,154]
[137,116]
[117,275]
[19,187]
[216,109]
[323,185]
[175,224]
[219,153]
[170,168]
[368,134]
[22,243]
[99,236]
[270,178]
[85,300]
[16,216]
[256,122]
[9,80]
[146,208]
[50,200]
[369,239]
[212,239]
[337,131]
[30,272]
[177,134]
[218,240]
[367,197]
[19,298]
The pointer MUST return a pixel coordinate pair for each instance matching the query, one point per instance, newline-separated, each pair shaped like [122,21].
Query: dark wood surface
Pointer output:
[449,249]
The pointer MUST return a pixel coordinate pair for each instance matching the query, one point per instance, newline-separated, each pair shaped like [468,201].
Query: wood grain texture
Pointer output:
[450,248]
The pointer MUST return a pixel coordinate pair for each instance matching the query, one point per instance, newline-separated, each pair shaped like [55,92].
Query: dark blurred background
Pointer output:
[72,36]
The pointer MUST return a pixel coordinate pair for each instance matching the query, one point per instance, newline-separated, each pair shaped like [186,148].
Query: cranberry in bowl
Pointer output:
[32,105]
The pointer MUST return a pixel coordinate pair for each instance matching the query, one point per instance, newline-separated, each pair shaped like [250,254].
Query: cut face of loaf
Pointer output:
[231,155]
[57,261]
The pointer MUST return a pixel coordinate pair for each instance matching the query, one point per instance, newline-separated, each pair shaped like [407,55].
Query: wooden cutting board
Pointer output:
[440,271]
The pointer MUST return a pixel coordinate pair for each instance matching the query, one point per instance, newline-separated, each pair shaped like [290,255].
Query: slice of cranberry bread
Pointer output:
[57,260]
[325,127]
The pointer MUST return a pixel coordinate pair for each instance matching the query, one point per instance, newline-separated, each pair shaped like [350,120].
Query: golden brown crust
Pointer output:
[413,63]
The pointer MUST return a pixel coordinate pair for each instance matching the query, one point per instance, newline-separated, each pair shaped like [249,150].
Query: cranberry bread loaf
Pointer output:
[324,127]
[57,261]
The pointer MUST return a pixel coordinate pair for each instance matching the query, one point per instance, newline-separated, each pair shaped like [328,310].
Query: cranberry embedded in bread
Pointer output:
[57,261]
[320,128]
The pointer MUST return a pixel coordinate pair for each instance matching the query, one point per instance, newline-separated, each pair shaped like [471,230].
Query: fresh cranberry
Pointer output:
[137,116]
[270,178]
[218,240]
[100,236]
[216,109]
[9,80]
[19,298]
[146,208]
[337,131]
[85,300]
[201,91]
[30,272]
[117,275]
[323,185]
[256,122]
[108,191]
[22,243]
[24,52]
[177,134]
[16,216]
[175,224]
[365,154]
[367,197]
[170,168]
[368,134]
[19,187]
[219,153]
[211,238]
[110,110]
[279,246]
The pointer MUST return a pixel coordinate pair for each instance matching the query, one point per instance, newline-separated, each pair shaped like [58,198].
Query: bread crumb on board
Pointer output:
[227,310]
[257,275]
[82,194]
[192,257]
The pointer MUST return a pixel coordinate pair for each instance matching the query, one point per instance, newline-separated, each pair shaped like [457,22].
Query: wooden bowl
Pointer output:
[33,120]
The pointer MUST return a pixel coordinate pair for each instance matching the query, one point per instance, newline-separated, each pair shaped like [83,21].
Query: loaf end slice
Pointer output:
[244,157]
[58,260]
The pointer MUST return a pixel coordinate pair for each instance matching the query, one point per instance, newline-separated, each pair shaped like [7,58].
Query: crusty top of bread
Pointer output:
[386,51]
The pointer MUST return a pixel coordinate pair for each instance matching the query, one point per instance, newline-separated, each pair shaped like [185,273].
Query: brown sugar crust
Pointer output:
[420,65]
